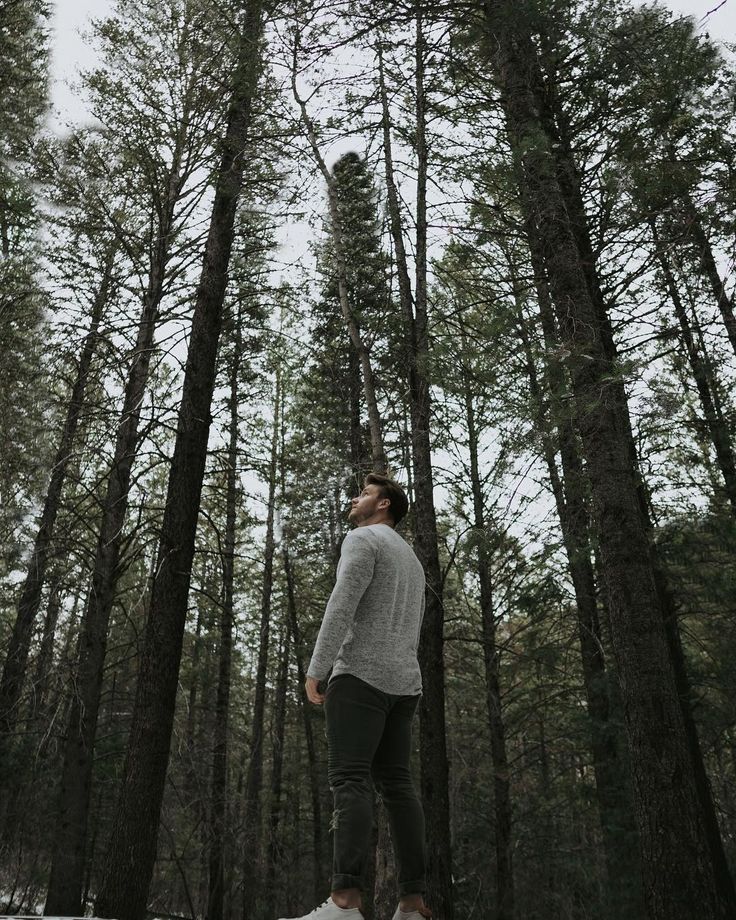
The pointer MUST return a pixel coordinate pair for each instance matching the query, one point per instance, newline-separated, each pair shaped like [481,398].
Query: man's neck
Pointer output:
[380,520]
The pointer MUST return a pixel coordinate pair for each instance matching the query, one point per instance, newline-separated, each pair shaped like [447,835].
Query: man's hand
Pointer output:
[313,694]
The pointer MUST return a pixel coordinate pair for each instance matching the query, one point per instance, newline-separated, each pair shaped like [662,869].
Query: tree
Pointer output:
[340,251]
[24,46]
[416,344]
[148,750]
[654,719]
[151,149]
[17,655]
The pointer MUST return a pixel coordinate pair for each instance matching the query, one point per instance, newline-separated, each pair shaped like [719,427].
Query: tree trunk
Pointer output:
[314,773]
[275,848]
[724,879]
[558,133]
[620,842]
[714,420]
[433,744]
[14,669]
[218,798]
[132,851]
[708,267]
[557,124]
[678,873]
[505,906]
[193,700]
[67,866]
[44,663]
[384,872]
[356,428]
[252,866]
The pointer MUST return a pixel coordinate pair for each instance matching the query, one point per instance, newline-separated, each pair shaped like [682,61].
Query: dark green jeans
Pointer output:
[369,743]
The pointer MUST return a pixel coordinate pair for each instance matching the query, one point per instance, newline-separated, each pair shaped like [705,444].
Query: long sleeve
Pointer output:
[354,574]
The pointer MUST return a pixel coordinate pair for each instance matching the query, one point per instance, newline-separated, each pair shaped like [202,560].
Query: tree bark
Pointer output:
[252,882]
[44,662]
[218,797]
[275,849]
[314,774]
[132,851]
[505,900]
[620,842]
[14,668]
[709,269]
[433,744]
[678,873]
[356,428]
[714,420]
[384,888]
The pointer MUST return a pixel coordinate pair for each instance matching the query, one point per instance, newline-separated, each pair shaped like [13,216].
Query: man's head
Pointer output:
[382,501]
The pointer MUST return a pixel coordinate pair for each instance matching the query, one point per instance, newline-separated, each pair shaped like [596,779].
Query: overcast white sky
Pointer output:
[72,16]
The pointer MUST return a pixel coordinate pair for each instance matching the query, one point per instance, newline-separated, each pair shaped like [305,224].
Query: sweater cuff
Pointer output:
[313,672]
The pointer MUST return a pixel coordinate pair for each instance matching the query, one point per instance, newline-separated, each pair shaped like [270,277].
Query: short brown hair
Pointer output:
[398,502]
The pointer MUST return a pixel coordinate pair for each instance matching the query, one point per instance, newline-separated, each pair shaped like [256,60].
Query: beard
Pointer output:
[357,515]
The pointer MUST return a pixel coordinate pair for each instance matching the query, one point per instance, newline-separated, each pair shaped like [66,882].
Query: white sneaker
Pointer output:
[419,914]
[330,911]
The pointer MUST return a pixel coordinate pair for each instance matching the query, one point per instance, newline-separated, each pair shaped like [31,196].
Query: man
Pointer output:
[369,637]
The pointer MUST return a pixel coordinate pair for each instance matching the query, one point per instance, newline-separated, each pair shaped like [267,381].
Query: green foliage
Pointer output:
[333,387]
[24,50]
[24,416]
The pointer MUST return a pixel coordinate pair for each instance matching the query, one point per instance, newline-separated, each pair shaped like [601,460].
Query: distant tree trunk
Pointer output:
[623,888]
[132,850]
[92,844]
[314,773]
[678,873]
[190,744]
[714,420]
[548,829]
[356,428]
[433,744]
[505,901]
[275,849]
[694,229]
[44,662]
[252,865]
[17,784]
[218,797]
[11,683]
[384,889]
[504,908]
[58,691]
[724,879]
[67,866]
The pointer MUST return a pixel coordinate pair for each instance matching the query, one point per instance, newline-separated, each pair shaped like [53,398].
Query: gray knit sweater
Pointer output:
[374,615]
